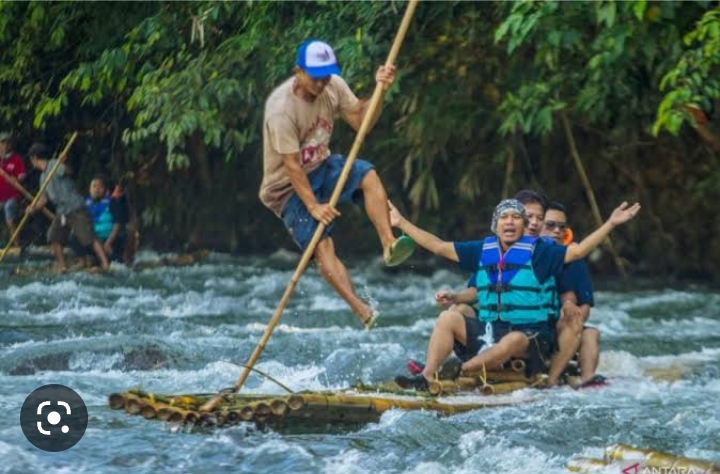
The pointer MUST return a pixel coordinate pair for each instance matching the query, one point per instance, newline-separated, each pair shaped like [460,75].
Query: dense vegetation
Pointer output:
[168,97]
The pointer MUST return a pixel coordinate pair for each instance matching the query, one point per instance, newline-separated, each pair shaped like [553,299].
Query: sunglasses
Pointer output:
[552,225]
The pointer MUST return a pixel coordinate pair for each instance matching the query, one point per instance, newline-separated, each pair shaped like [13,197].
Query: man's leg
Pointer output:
[450,327]
[100,253]
[336,275]
[589,353]
[377,209]
[57,249]
[11,228]
[10,211]
[514,344]
[568,342]
[81,224]
[56,235]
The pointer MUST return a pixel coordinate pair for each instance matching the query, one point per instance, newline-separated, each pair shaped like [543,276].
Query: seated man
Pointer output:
[510,271]
[13,168]
[70,215]
[109,216]
[576,299]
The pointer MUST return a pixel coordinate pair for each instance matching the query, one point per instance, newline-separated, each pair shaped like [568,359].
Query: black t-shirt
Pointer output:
[119,210]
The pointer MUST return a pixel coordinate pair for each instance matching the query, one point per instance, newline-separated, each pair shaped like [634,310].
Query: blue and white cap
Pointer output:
[317,59]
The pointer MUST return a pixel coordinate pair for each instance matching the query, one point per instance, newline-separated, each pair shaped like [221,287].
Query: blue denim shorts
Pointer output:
[298,220]
[10,207]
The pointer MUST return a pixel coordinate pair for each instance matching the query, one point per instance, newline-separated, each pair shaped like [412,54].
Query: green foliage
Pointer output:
[170,95]
[694,82]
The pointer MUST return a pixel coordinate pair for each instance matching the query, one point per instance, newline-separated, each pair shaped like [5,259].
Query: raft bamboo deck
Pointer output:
[361,404]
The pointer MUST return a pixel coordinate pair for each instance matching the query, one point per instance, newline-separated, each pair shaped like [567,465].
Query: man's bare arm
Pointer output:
[422,237]
[385,76]
[301,185]
[620,215]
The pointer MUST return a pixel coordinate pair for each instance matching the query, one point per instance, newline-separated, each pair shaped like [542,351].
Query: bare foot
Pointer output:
[370,321]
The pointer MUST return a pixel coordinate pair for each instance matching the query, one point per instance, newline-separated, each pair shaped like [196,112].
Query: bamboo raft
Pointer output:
[636,460]
[361,404]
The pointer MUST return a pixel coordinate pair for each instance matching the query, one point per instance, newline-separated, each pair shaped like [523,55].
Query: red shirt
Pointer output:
[14,166]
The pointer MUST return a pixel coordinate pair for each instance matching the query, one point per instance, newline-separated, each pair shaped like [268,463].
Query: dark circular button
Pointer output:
[54,418]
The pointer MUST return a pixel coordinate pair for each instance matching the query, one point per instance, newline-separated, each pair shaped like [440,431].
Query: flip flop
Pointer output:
[400,250]
[595,381]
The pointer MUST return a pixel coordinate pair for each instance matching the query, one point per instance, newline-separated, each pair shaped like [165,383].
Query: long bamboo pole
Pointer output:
[42,189]
[16,184]
[589,190]
[307,255]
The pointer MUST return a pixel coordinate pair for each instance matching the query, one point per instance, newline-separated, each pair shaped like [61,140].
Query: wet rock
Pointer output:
[58,362]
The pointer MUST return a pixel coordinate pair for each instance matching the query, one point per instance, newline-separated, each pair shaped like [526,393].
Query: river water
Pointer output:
[189,329]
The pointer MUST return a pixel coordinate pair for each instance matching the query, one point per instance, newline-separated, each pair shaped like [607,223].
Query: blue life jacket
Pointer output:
[508,289]
[102,219]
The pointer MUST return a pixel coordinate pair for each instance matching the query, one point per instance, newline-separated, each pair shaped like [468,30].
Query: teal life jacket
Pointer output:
[508,289]
[100,213]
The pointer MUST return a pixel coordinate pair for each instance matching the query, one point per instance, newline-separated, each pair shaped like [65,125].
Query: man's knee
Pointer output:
[451,321]
[464,309]
[450,316]
[515,342]
[591,335]
[570,326]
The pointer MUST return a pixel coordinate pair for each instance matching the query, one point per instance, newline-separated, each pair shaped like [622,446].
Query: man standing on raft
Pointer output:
[300,173]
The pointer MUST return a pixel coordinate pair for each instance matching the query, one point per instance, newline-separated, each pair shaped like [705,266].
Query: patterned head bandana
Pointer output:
[508,205]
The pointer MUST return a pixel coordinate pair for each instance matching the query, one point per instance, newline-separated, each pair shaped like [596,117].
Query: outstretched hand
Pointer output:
[395,217]
[324,213]
[623,213]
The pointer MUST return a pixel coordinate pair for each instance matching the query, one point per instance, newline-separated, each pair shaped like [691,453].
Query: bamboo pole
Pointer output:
[658,459]
[307,255]
[589,190]
[42,189]
[21,189]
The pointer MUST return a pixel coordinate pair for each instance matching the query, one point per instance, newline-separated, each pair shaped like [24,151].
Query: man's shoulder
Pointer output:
[278,96]
[548,250]
[337,82]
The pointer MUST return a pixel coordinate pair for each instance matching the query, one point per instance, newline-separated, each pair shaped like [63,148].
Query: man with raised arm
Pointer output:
[510,270]
[300,173]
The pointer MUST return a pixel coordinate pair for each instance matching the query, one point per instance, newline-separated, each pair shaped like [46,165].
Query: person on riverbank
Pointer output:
[13,166]
[510,270]
[300,172]
[576,298]
[71,213]
[109,217]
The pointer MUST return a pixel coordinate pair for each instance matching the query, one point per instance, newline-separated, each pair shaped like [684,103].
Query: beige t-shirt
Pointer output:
[294,125]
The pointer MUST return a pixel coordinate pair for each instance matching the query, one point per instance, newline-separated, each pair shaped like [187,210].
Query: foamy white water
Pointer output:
[189,330]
